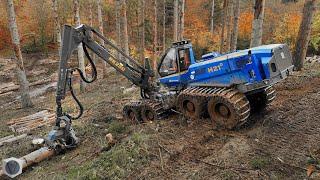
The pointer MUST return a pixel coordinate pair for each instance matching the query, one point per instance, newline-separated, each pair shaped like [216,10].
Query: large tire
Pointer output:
[191,106]
[260,100]
[132,112]
[229,109]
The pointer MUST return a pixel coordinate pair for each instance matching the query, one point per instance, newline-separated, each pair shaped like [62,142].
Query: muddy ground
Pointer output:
[278,143]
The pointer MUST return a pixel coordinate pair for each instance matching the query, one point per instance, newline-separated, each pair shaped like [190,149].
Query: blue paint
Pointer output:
[248,66]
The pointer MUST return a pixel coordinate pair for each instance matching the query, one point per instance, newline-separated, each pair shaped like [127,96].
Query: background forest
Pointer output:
[36,23]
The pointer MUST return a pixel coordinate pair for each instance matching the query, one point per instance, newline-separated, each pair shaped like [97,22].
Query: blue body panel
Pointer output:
[242,67]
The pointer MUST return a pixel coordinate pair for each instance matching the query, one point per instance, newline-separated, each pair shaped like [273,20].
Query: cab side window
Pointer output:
[184,59]
[169,63]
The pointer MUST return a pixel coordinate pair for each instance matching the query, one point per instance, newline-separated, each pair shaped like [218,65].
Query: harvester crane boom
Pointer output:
[72,38]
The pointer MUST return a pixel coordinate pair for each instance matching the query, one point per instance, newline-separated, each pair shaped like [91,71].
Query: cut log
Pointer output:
[6,94]
[5,85]
[31,122]
[13,139]
[25,161]
[30,117]
[7,137]
[16,87]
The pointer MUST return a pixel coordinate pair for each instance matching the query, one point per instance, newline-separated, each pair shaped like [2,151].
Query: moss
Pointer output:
[117,127]
[259,162]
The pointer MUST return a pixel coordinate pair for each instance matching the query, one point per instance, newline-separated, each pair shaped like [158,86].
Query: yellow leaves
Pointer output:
[288,29]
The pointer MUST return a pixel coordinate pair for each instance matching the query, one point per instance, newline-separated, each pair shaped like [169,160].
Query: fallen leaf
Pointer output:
[310,170]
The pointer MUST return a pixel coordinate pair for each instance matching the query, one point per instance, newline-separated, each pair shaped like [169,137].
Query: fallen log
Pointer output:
[16,87]
[6,94]
[7,137]
[27,118]
[13,167]
[16,138]
[31,122]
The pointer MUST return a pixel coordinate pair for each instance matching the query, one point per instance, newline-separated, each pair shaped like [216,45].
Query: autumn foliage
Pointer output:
[35,23]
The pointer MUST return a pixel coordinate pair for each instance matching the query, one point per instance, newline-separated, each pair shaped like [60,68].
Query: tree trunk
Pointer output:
[104,64]
[176,20]
[124,23]
[257,24]
[20,73]
[235,25]
[229,23]
[304,34]
[155,34]
[118,26]
[141,30]
[93,55]
[164,27]
[56,23]
[80,49]
[224,15]
[211,18]
[181,19]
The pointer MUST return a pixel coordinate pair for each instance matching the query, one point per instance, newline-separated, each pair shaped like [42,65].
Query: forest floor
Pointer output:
[278,143]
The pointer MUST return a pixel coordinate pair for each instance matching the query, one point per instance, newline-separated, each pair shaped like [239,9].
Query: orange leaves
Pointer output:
[245,24]
[4,36]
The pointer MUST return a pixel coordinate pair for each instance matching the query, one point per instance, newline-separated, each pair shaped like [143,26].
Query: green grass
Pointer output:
[117,127]
[259,162]
[118,163]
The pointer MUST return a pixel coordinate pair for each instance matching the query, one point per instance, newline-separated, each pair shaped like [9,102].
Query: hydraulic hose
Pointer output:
[94,77]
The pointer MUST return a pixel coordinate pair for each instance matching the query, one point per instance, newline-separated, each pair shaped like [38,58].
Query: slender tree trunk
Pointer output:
[164,27]
[104,64]
[235,25]
[118,26]
[176,20]
[142,30]
[18,60]
[304,34]
[181,19]
[257,24]
[93,55]
[224,15]
[124,23]
[229,23]
[56,23]
[155,34]
[211,18]
[80,49]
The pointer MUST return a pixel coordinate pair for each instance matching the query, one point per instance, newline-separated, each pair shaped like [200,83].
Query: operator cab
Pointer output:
[177,59]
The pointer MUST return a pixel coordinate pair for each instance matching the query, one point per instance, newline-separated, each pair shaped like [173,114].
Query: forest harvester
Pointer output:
[225,87]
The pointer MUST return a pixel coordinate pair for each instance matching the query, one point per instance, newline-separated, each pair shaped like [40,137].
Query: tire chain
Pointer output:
[204,94]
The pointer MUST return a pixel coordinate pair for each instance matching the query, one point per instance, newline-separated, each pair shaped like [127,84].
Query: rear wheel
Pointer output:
[228,110]
[260,100]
